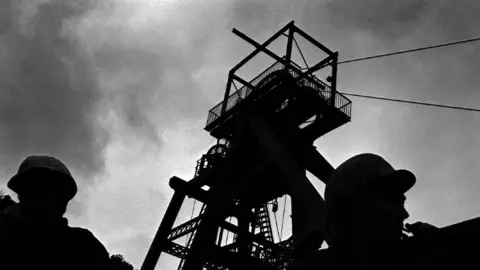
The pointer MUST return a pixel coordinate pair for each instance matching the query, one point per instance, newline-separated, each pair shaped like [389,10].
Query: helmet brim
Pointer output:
[399,181]
[62,183]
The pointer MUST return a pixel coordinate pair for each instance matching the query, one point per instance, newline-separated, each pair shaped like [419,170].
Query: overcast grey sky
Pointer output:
[120,90]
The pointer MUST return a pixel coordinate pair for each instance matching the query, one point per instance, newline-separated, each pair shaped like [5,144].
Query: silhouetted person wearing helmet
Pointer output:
[365,199]
[36,235]
[365,212]
[365,218]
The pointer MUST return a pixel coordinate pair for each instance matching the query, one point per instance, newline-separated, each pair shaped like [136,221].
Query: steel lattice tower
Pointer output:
[265,131]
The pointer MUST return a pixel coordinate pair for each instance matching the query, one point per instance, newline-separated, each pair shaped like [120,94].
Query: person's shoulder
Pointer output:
[4,216]
[10,229]
[85,236]
[80,231]
[7,220]
[89,245]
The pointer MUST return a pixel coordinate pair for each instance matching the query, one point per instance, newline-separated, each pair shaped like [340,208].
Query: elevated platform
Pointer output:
[278,91]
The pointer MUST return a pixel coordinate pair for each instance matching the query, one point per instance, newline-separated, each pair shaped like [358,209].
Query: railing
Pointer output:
[341,102]
[241,94]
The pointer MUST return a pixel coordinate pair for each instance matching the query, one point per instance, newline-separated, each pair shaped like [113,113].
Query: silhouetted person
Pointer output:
[36,235]
[365,216]
[365,212]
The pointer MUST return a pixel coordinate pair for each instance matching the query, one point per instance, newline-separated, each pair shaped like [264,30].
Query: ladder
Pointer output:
[263,222]
[190,241]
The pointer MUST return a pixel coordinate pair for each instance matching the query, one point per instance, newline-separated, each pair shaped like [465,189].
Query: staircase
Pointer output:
[263,222]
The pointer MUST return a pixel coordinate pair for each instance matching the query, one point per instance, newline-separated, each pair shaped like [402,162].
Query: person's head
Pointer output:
[365,201]
[44,186]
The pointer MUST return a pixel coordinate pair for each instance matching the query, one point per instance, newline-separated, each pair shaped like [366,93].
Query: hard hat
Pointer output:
[362,173]
[60,177]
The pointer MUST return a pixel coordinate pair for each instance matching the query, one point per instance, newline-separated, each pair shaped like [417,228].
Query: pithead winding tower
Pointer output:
[265,131]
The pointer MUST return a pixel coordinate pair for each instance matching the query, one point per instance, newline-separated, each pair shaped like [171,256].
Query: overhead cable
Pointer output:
[410,50]
[413,102]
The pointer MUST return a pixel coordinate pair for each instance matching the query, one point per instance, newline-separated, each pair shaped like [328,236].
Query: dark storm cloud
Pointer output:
[260,18]
[156,80]
[146,65]
[388,26]
[251,15]
[57,81]
[386,19]
[48,93]
[141,72]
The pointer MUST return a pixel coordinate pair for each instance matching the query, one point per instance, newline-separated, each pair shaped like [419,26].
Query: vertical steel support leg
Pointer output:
[165,227]
[205,237]
[227,94]
[289,46]
[334,79]
[308,206]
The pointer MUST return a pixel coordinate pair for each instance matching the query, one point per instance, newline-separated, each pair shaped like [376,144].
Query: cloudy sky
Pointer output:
[120,89]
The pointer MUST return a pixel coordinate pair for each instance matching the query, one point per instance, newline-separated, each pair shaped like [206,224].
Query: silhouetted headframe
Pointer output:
[265,131]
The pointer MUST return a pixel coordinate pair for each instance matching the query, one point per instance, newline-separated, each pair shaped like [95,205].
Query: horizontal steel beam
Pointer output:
[176,250]
[242,81]
[181,252]
[252,237]
[260,47]
[191,191]
[312,40]
[185,228]
[325,62]
[264,45]
[202,195]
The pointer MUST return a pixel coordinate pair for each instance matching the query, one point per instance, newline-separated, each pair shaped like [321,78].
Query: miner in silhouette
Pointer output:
[365,199]
[35,235]
[365,217]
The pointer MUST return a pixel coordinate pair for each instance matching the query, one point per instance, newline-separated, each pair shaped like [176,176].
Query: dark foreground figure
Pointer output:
[34,234]
[365,217]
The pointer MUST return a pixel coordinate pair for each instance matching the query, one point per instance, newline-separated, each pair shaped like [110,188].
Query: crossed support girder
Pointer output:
[331,60]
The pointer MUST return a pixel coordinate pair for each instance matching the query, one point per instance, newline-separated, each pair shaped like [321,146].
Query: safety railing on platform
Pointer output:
[341,102]
[241,94]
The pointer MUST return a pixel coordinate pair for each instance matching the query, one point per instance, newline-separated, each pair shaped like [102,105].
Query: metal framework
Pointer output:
[232,102]
[263,151]
[265,138]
